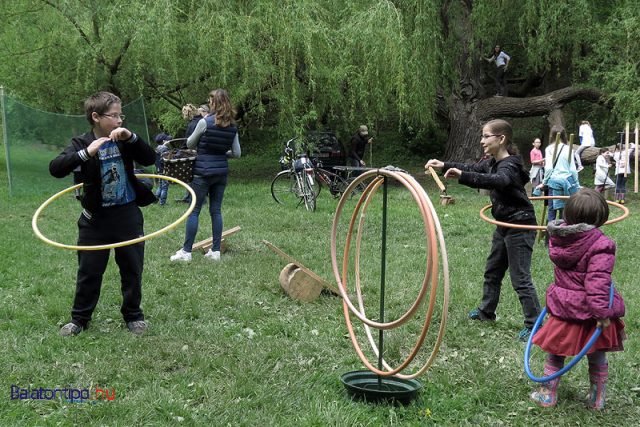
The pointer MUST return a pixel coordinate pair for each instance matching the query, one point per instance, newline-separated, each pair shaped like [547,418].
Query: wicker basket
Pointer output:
[179,164]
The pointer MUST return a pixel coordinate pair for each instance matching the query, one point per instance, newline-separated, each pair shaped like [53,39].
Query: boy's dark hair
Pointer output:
[99,103]
[586,206]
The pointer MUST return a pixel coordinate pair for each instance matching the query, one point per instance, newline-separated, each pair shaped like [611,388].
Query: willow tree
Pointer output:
[300,63]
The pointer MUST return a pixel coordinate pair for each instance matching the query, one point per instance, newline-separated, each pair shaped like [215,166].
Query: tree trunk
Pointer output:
[467,116]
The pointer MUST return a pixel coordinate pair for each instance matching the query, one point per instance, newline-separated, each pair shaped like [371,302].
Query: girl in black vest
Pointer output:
[216,139]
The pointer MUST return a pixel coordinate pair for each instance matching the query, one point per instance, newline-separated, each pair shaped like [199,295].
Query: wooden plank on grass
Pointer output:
[206,243]
[292,260]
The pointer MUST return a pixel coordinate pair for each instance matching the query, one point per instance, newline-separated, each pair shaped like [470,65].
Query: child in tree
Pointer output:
[503,173]
[112,194]
[580,298]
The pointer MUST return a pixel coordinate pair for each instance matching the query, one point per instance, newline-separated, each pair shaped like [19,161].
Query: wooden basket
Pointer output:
[179,164]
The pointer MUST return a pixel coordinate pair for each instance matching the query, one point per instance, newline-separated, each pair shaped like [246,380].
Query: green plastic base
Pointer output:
[370,387]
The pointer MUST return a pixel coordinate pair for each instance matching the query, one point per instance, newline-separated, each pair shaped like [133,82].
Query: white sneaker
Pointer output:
[214,256]
[181,255]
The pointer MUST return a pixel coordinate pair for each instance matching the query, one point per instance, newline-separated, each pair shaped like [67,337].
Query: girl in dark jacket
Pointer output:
[502,173]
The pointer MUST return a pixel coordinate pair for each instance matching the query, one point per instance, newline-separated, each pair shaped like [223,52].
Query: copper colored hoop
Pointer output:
[431,222]
[36,230]
[428,317]
[625,214]
[341,279]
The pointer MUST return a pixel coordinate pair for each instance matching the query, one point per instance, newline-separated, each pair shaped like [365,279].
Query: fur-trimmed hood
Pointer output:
[584,259]
[569,243]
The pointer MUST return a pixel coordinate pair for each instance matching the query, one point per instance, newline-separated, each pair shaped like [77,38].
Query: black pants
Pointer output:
[511,249]
[109,225]
[501,81]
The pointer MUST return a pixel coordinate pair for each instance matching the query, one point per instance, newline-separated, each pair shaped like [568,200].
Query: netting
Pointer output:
[32,138]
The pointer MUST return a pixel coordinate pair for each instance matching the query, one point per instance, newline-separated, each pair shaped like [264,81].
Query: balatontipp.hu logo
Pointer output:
[69,394]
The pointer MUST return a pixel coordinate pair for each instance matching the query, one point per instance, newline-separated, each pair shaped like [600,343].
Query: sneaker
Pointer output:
[580,168]
[477,314]
[622,202]
[214,256]
[181,255]
[523,335]
[70,330]
[137,327]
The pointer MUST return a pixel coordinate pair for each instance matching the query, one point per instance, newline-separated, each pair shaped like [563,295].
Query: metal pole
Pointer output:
[6,142]
[383,267]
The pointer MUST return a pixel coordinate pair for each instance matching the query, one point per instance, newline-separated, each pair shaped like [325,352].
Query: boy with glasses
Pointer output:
[112,195]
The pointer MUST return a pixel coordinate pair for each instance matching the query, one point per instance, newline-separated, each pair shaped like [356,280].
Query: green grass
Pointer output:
[226,346]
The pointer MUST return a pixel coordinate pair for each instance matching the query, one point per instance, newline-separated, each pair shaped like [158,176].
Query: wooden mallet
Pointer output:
[444,198]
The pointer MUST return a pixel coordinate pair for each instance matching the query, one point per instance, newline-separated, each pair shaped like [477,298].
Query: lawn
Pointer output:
[226,346]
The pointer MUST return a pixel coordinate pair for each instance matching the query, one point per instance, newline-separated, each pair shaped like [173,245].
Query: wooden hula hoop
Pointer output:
[445,304]
[343,278]
[625,214]
[36,230]
[425,328]
[431,222]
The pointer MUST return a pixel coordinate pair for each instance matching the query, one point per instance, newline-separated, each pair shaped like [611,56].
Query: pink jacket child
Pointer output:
[584,258]
[579,299]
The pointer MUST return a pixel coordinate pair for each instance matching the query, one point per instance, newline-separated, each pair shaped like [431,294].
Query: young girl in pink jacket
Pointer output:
[579,299]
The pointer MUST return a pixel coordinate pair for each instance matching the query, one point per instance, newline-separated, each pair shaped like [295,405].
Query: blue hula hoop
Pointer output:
[576,358]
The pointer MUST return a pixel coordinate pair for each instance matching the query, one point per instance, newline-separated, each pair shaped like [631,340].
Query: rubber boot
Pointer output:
[598,376]
[546,396]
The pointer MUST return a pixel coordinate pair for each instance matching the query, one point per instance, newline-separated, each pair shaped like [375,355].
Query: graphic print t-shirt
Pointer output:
[116,188]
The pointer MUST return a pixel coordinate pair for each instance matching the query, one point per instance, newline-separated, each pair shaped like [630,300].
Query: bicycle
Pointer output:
[334,182]
[296,185]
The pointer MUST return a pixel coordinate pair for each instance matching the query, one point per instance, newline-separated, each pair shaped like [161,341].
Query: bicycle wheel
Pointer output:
[284,189]
[335,182]
[308,185]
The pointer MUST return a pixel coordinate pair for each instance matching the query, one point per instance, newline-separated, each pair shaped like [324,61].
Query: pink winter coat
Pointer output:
[584,259]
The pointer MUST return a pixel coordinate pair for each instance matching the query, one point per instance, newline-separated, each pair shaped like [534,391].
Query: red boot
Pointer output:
[598,376]
[547,396]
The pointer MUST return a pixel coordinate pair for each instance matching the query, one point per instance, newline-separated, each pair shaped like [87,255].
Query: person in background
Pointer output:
[216,139]
[560,174]
[193,115]
[585,134]
[622,157]
[601,180]
[537,163]
[359,142]
[501,59]
[163,185]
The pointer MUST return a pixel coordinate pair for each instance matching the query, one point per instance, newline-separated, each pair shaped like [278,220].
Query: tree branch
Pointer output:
[76,25]
[538,105]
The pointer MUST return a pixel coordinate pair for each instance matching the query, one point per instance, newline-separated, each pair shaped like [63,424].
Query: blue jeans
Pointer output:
[554,211]
[163,190]
[621,186]
[511,249]
[212,186]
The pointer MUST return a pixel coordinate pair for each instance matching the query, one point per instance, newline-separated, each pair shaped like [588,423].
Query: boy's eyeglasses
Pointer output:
[489,136]
[114,116]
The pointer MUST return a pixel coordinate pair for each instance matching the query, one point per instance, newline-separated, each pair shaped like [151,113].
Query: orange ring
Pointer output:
[341,279]
[431,222]
[625,214]
[430,273]
[434,352]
